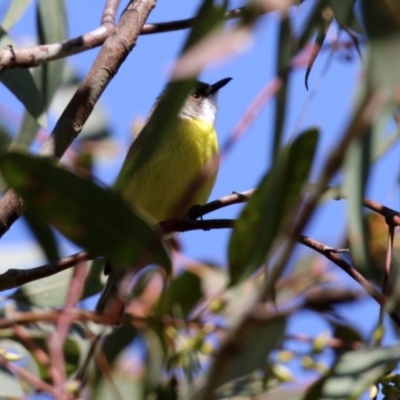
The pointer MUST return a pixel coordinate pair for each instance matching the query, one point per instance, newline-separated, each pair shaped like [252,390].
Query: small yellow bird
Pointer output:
[159,187]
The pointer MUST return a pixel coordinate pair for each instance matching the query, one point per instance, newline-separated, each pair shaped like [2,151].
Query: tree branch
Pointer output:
[37,55]
[351,271]
[16,277]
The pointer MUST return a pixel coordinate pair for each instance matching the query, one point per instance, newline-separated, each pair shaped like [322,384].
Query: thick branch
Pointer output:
[16,277]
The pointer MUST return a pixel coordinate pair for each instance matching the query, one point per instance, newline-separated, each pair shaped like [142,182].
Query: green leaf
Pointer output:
[14,13]
[94,283]
[21,83]
[162,118]
[379,17]
[27,132]
[43,234]
[345,332]
[244,351]
[319,41]
[383,45]
[10,387]
[112,347]
[52,28]
[72,348]
[92,217]
[285,53]
[343,11]
[354,373]
[51,292]
[253,354]
[262,217]
[184,293]
[356,167]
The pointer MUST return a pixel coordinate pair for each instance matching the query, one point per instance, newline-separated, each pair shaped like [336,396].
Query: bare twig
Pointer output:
[16,277]
[58,337]
[351,271]
[37,55]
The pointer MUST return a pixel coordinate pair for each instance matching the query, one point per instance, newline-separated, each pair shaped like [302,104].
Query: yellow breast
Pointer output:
[162,184]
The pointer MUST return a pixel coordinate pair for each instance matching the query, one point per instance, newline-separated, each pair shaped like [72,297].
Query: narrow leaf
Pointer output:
[43,234]
[52,28]
[184,292]
[15,11]
[90,216]
[262,217]
[285,53]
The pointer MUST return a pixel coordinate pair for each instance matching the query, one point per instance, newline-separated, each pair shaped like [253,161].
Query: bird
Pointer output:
[159,187]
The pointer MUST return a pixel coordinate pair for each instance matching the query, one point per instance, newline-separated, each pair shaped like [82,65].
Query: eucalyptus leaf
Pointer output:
[14,12]
[51,292]
[184,292]
[263,215]
[90,216]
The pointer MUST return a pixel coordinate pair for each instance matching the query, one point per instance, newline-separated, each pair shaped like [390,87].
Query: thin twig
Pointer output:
[351,271]
[37,55]
[16,277]
[33,56]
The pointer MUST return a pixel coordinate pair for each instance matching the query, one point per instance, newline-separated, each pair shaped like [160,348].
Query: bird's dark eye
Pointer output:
[196,95]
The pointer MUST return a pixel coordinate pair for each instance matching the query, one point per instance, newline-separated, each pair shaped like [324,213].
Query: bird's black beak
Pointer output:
[218,85]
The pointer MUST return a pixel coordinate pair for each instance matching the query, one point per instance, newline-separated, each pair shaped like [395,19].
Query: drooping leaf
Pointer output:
[21,83]
[52,28]
[90,216]
[357,164]
[73,349]
[10,386]
[184,292]
[254,354]
[285,53]
[319,41]
[111,348]
[343,11]
[43,234]
[261,218]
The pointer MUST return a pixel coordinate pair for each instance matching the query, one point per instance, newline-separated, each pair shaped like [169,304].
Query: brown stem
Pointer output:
[351,271]
[16,277]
